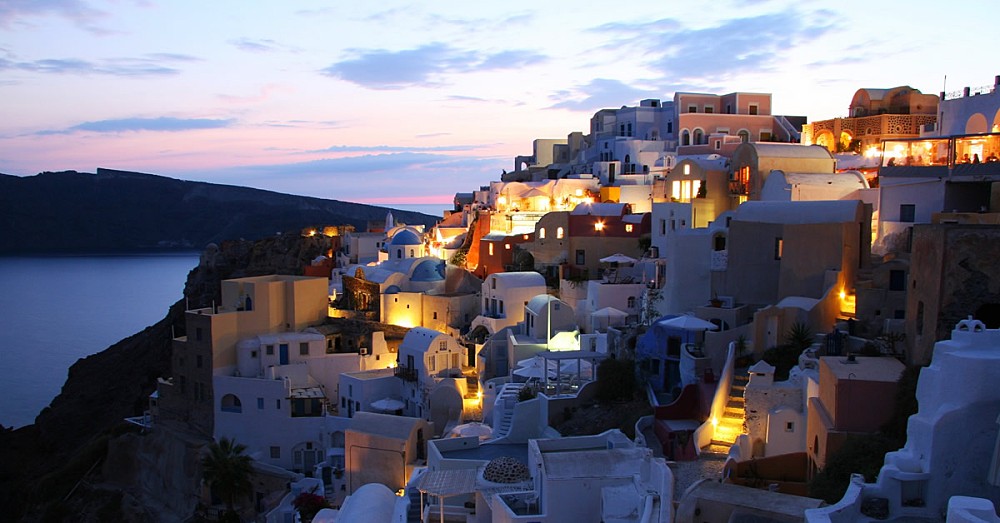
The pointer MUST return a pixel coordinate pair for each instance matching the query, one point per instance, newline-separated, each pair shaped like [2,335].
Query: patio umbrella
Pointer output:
[484,432]
[688,323]
[618,258]
[387,405]
[533,368]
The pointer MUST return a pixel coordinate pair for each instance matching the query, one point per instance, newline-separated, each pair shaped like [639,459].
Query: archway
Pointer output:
[825,138]
[698,137]
[231,403]
[976,124]
[685,137]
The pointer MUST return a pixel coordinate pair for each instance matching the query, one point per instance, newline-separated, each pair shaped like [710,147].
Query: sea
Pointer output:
[55,310]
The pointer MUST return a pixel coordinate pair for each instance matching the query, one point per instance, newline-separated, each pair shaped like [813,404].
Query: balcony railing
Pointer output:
[405,373]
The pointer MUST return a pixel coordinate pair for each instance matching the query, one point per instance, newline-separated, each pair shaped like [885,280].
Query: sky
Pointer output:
[401,102]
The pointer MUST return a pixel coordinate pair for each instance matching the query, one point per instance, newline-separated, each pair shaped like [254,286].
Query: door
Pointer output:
[283,354]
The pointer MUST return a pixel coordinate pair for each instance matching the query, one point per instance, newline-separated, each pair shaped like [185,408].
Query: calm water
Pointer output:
[55,310]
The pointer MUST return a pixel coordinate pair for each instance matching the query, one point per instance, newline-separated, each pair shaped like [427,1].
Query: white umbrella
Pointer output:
[618,258]
[689,323]
[533,368]
[387,405]
[484,432]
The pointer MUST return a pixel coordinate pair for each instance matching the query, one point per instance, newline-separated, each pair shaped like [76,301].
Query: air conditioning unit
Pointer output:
[363,351]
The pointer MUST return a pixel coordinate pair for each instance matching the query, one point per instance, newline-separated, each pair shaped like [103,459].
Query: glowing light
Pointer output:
[715,422]
[502,200]
[599,226]
[401,492]
[843,295]
[579,192]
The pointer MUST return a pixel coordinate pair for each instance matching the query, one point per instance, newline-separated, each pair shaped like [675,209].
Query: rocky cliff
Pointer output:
[60,468]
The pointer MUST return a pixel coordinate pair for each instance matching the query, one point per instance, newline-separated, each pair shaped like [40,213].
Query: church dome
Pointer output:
[405,237]
[428,270]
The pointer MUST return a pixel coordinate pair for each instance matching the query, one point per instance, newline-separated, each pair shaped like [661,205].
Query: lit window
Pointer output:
[599,226]
[541,233]
[559,233]
[779,246]
[491,249]
[628,227]
[687,169]
[506,246]
[579,192]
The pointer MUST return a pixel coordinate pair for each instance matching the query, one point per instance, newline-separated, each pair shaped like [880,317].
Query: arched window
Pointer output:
[685,137]
[411,253]
[399,254]
[744,135]
[699,135]
[559,233]
[541,233]
[230,403]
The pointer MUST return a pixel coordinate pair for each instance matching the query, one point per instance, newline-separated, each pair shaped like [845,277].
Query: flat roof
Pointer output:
[766,501]
[867,368]
[489,452]
[588,463]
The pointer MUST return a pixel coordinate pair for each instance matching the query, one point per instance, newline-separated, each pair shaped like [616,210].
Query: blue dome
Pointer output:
[405,237]
[392,289]
[428,270]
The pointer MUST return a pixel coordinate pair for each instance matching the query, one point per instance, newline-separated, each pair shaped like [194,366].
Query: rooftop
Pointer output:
[864,368]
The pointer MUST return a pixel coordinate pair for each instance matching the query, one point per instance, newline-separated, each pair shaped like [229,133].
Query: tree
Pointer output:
[227,470]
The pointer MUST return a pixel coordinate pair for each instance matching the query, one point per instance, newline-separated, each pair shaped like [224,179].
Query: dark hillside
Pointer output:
[118,211]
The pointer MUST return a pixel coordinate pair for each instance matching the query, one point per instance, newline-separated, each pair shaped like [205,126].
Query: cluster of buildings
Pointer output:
[424,370]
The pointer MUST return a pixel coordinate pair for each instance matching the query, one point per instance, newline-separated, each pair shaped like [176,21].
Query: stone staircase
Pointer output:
[503,414]
[731,424]
[472,388]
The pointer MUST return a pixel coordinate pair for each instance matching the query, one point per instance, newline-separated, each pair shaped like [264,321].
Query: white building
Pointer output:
[504,296]
[952,444]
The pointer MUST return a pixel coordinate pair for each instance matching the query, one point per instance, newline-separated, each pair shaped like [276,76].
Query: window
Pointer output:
[541,233]
[631,302]
[197,334]
[779,246]
[442,345]
[599,226]
[670,127]
[719,243]
[698,137]
[501,306]
[198,360]
[435,315]
[687,169]
[303,349]
[581,257]
[559,233]
[493,284]
[907,212]
[275,452]
[753,109]
[663,226]
[629,227]
[765,136]
[430,363]
[692,108]
[506,246]
[744,135]
[897,280]
[411,253]
[269,350]
[277,404]
[718,145]
[253,354]
[685,137]
[491,249]
[260,403]
[709,109]
[789,426]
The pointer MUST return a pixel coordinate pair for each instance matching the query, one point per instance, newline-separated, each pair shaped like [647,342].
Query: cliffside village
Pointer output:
[686,237]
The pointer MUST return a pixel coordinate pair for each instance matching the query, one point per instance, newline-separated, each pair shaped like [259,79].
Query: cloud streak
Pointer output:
[260,45]
[427,65]
[161,124]
[157,64]
[394,148]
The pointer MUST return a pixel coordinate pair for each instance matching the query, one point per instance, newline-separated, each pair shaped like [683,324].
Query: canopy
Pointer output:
[618,258]
[474,428]
[688,323]
[387,405]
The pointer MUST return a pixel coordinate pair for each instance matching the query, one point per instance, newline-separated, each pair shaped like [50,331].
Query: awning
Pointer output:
[445,483]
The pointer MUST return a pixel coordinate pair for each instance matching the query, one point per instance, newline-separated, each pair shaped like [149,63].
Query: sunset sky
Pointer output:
[395,102]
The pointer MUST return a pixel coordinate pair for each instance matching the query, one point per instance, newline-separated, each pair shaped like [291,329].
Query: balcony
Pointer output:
[405,373]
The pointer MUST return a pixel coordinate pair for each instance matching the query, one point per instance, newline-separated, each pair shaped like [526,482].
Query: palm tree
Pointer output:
[227,470]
